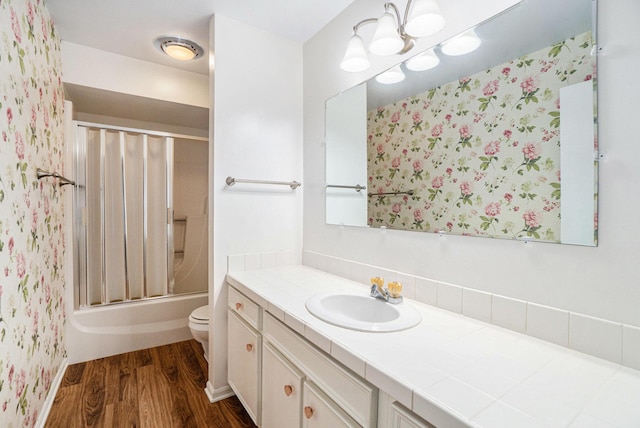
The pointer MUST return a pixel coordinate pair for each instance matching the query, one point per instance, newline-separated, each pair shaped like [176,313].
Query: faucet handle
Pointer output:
[395,288]
[377,281]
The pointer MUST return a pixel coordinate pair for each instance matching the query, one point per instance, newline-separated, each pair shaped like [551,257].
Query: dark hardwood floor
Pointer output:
[157,387]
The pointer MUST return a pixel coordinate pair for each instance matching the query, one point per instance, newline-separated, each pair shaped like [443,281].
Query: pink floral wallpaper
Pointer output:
[481,154]
[31,211]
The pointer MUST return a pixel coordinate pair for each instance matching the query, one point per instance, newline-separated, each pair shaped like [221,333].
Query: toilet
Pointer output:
[199,326]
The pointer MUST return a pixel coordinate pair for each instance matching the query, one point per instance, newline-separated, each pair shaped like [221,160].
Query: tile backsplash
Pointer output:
[616,342]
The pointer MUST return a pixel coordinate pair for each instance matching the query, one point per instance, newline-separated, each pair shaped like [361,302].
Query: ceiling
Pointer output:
[129,27]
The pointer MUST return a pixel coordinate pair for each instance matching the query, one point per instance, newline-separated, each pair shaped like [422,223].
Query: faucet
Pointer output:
[391,294]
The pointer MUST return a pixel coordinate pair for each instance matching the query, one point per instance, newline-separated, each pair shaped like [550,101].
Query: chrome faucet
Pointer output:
[379,292]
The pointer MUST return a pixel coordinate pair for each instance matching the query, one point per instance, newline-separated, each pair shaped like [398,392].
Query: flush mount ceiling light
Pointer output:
[461,44]
[179,48]
[393,35]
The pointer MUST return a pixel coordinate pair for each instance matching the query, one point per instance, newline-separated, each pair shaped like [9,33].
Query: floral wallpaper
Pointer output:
[469,153]
[31,211]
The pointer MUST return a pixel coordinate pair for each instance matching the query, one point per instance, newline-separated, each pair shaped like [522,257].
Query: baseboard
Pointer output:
[51,395]
[218,394]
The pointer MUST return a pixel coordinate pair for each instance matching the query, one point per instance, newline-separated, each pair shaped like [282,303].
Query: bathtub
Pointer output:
[98,332]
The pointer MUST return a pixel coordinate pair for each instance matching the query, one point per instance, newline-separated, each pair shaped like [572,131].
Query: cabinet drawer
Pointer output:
[401,417]
[245,307]
[281,390]
[320,412]
[355,396]
[244,362]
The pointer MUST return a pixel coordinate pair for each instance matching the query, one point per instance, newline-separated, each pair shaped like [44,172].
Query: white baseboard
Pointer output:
[218,394]
[51,395]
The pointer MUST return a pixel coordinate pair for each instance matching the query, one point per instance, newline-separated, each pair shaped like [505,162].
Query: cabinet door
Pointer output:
[403,418]
[318,411]
[244,355]
[281,390]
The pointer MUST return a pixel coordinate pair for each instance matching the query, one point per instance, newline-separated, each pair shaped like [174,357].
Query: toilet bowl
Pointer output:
[199,326]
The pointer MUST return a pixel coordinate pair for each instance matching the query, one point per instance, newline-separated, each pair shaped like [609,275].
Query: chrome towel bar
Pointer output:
[293,184]
[41,173]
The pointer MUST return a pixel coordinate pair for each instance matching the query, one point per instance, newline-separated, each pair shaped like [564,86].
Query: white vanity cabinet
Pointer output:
[392,414]
[331,392]
[245,352]
[281,390]
[319,411]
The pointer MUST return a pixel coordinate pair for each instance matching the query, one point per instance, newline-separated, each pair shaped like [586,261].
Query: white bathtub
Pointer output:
[110,330]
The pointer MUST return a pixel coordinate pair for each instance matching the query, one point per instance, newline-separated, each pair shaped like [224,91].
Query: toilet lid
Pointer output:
[201,313]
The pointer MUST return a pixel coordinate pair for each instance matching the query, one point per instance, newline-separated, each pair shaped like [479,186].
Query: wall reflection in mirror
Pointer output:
[499,143]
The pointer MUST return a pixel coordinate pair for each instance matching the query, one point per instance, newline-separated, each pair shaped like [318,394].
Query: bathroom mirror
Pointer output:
[499,143]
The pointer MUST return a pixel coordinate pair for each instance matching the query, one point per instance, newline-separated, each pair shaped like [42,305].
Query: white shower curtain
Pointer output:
[127,204]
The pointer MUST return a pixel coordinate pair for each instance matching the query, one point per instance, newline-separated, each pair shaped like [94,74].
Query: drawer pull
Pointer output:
[238,306]
[288,390]
[308,412]
[249,347]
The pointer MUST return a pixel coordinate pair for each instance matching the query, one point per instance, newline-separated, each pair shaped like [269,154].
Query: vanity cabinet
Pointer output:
[319,411]
[245,352]
[329,388]
[281,390]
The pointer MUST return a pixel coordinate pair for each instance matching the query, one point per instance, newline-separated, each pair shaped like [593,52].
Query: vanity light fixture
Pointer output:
[393,35]
[393,75]
[179,48]
[461,44]
[424,61]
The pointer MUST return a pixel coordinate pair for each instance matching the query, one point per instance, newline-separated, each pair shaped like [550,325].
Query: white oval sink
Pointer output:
[362,312]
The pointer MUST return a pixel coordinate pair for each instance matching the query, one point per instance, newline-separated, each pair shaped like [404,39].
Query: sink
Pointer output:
[362,312]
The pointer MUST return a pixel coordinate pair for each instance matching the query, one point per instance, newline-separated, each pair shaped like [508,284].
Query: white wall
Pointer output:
[95,68]
[256,131]
[602,282]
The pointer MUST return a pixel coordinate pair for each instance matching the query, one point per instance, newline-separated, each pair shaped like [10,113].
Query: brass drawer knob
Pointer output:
[308,412]
[249,347]
[238,306]
[288,390]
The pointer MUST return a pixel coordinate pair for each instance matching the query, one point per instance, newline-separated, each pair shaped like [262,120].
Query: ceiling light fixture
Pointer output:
[179,48]
[393,35]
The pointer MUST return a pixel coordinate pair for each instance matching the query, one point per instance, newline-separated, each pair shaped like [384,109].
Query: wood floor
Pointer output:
[157,387]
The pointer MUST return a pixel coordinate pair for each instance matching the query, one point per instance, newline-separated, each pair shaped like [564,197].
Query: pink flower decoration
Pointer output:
[417,215]
[531,218]
[380,149]
[506,71]
[417,165]
[437,182]
[493,209]
[464,131]
[436,131]
[465,188]
[507,133]
[508,197]
[490,88]
[15,26]
[531,151]
[395,117]
[19,146]
[396,208]
[417,117]
[492,148]
[528,85]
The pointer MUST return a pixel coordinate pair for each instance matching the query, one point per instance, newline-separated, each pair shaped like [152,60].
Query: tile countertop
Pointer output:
[455,371]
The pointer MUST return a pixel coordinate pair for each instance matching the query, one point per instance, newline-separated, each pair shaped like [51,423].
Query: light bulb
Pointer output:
[424,19]
[462,44]
[386,40]
[355,57]
[424,61]
[393,75]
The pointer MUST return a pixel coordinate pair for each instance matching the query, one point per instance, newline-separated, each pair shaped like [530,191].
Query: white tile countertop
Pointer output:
[455,371]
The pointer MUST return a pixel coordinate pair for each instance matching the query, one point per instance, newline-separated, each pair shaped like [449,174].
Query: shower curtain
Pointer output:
[125,199]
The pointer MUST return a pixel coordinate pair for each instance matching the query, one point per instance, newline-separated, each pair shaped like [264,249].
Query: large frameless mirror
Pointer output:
[500,142]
